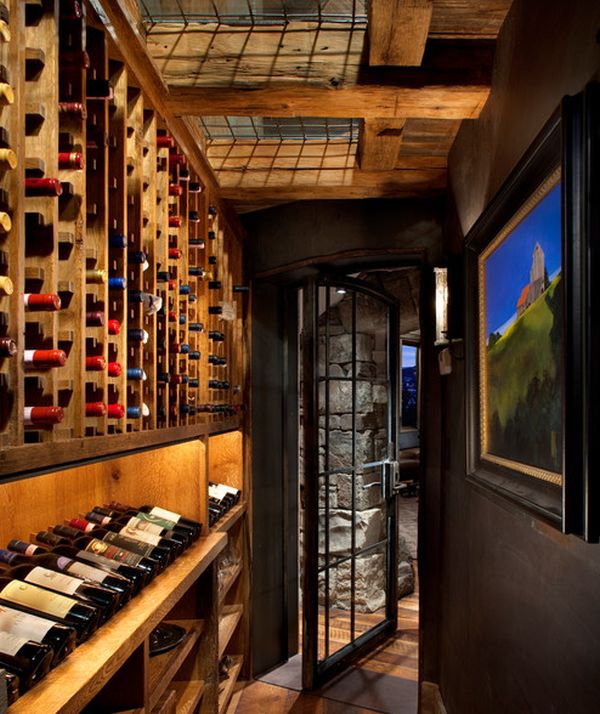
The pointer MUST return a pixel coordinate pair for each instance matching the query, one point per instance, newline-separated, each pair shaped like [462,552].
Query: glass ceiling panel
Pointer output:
[254,12]
[288,128]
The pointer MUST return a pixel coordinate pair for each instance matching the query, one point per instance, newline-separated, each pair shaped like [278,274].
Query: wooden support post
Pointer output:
[379,144]
[398,31]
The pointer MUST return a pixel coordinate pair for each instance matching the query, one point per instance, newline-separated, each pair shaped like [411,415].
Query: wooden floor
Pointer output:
[397,657]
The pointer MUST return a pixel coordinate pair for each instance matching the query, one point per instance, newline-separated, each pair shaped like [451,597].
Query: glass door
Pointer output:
[349,438]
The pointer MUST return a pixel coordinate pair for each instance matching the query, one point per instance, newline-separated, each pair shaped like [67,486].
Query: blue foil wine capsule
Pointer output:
[195,327]
[134,412]
[117,283]
[194,383]
[117,240]
[192,297]
[136,373]
[184,289]
[182,319]
[194,355]
[137,257]
[195,270]
[137,334]
[162,377]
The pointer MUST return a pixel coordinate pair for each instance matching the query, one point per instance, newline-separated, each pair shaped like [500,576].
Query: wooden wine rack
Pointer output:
[131,186]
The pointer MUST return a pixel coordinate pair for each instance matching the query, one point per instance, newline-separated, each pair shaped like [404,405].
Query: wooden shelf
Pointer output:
[233,576]
[163,667]
[76,681]
[31,458]
[230,518]
[229,684]
[228,621]
[189,695]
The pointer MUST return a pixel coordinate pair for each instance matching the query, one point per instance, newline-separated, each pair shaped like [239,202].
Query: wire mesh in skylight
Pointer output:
[280,129]
[254,12]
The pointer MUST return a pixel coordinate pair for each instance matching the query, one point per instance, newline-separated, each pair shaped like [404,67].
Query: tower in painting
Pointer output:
[537,281]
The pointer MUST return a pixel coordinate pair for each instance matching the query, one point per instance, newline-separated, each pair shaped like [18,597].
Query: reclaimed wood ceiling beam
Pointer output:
[398,31]
[380,142]
[300,184]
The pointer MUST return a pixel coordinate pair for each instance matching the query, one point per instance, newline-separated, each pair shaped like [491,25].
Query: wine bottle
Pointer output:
[44,359]
[42,187]
[144,523]
[137,412]
[175,189]
[116,552]
[214,284]
[117,283]
[116,583]
[117,240]
[115,411]
[159,512]
[196,242]
[54,578]
[196,327]
[61,638]
[28,660]
[136,374]
[13,686]
[176,159]
[212,235]
[95,409]
[175,253]
[197,271]
[43,416]
[194,355]
[42,301]
[212,211]
[216,336]
[6,285]
[136,334]
[62,608]
[114,327]
[164,141]
[114,370]
[184,289]
[127,538]
[70,10]
[97,277]
[194,383]
[8,159]
[215,309]
[5,222]
[184,175]
[193,217]
[212,259]
[188,532]
[94,318]
[95,363]
[179,379]
[139,576]
[194,187]
[180,348]
[217,384]
[70,160]
[8,347]
[76,108]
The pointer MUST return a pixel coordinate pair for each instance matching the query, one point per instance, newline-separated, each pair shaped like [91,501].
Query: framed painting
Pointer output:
[533,346]
[515,333]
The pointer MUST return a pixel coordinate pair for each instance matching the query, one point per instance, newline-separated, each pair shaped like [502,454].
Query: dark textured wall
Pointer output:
[520,612]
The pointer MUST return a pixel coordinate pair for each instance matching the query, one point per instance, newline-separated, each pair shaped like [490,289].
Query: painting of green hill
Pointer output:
[523,386]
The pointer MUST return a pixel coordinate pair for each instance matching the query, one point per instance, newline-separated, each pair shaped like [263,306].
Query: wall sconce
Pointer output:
[441,306]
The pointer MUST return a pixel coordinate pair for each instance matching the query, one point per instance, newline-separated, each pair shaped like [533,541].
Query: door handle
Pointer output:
[391,477]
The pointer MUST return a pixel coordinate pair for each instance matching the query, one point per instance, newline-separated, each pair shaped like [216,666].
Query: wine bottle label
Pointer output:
[11,644]
[81,571]
[160,522]
[52,580]
[146,525]
[22,624]
[113,552]
[163,513]
[136,529]
[133,544]
[98,560]
[37,599]
[7,556]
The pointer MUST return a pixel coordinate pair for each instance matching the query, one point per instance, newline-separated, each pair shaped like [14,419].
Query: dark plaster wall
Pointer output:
[306,229]
[520,614]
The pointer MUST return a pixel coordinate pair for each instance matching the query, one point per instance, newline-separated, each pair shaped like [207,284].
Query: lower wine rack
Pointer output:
[113,671]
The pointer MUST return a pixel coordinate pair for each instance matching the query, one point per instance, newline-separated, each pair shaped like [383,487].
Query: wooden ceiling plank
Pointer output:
[371,102]
[398,31]
[379,144]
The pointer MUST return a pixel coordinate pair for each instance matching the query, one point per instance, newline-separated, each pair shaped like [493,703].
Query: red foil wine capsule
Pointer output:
[114,327]
[115,411]
[114,369]
[95,409]
[43,416]
[95,364]
[44,358]
[42,301]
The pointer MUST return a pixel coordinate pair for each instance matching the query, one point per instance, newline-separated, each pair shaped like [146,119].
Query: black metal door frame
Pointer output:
[315,673]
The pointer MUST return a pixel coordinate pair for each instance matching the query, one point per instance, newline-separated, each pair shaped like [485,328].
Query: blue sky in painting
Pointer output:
[507,268]
[409,356]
